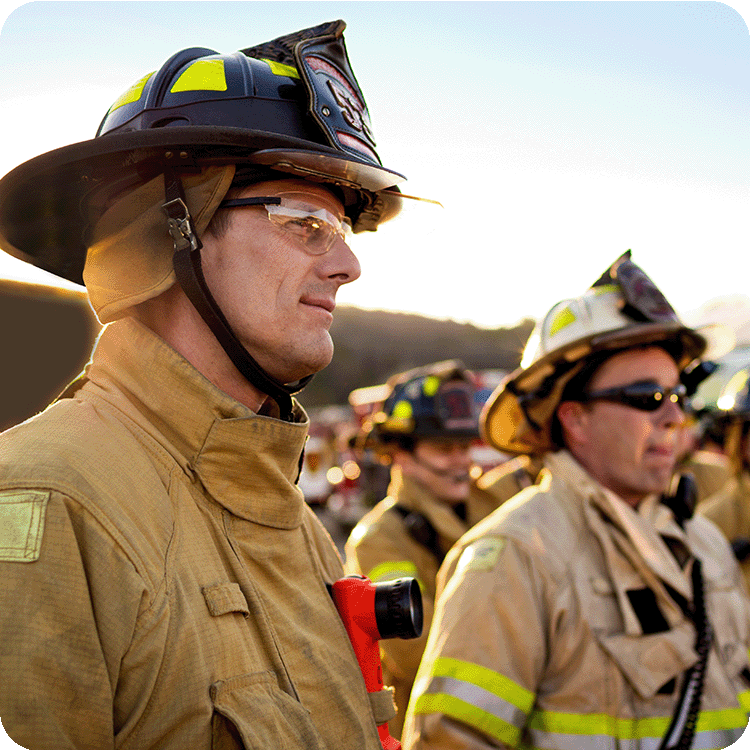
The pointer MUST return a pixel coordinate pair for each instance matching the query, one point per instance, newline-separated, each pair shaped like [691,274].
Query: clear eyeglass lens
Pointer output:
[315,228]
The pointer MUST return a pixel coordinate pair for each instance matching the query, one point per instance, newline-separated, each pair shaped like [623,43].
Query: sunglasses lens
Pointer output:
[645,397]
[642,396]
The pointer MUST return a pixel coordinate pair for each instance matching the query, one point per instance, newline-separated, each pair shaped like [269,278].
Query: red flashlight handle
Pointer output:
[355,600]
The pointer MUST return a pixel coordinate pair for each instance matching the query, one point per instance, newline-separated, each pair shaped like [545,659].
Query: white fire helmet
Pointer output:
[624,308]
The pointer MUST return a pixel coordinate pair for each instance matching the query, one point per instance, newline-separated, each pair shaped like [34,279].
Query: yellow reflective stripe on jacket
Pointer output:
[392,569]
[476,696]
[202,75]
[562,731]
[744,699]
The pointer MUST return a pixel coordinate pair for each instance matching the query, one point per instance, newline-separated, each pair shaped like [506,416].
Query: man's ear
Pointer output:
[573,417]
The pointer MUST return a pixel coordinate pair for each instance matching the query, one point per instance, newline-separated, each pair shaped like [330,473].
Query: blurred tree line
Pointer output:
[46,336]
[372,345]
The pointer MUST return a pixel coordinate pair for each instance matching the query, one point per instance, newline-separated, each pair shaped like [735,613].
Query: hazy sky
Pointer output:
[556,134]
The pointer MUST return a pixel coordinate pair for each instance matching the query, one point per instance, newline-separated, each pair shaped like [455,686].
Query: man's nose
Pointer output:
[342,263]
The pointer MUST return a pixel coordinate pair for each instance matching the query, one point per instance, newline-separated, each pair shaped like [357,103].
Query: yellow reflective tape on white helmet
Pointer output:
[564,318]
[279,69]
[133,94]
[475,695]
[202,75]
[605,289]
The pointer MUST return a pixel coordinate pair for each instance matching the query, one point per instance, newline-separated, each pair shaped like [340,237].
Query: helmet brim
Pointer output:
[45,210]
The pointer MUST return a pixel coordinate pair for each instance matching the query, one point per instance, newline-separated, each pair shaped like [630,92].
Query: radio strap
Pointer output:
[681,730]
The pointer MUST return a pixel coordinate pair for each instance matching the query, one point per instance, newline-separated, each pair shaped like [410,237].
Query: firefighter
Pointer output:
[163,583]
[696,453]
[425,428]
[577,614]
[729,507]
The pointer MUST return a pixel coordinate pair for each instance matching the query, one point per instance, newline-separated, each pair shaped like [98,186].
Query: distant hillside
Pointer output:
[46,336]
[372,345]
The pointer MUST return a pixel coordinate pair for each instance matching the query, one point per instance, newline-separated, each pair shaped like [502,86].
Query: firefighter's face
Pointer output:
[629,451]
[441,466]
[277,295]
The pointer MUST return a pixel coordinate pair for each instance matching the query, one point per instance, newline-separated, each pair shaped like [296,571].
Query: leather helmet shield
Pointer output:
[336,101]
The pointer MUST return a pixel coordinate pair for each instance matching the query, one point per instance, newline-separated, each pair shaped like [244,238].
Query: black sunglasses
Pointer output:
[645,396]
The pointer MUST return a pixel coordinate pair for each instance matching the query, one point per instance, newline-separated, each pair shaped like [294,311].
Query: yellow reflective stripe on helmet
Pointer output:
[475,695]
[279,69]
[564,318]
[392,569]
[133,94]
[202,75]
[403,410]
[605,289]
[431,385]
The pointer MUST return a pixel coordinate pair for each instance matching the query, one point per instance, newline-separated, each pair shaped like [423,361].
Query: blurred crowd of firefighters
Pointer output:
[343,474]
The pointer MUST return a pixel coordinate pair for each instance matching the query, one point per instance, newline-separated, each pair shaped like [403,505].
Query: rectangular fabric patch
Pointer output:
[22,517]
[223,598]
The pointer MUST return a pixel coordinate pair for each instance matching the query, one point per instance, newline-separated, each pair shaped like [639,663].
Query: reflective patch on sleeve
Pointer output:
[22,516]
[481,555]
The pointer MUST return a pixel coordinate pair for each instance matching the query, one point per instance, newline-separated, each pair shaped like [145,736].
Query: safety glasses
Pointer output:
[316,228]
[644,396]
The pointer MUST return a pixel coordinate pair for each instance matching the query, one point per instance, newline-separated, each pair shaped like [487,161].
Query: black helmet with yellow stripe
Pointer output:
[290,106]
[437,401]
[287,108]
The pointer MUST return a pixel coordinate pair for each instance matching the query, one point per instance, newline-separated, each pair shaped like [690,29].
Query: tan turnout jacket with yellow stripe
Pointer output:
[162,581]
[554,627]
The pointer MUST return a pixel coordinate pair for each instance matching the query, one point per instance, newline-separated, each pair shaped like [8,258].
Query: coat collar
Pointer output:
[246,462]
[642,528]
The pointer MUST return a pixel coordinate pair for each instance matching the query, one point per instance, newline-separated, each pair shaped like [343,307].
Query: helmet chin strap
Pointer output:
[188,270]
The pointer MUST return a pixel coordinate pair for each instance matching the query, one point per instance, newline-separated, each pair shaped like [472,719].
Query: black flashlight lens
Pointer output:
[398,608]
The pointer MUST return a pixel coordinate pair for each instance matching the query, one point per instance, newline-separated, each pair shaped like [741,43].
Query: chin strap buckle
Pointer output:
[180,225]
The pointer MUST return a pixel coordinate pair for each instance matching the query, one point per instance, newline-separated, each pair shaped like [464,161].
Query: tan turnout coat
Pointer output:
[381,548]
[162,581]
[547,635]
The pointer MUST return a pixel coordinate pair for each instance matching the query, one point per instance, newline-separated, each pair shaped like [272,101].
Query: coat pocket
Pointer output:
[252,713]
[648,662]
